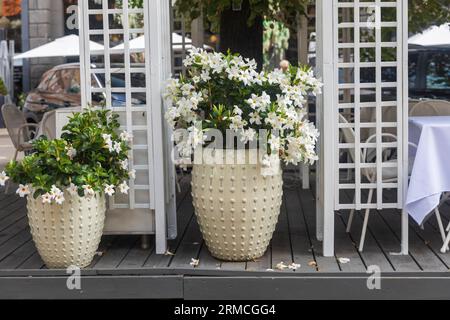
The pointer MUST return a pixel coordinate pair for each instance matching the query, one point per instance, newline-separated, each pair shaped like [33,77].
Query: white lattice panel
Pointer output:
[369,109]
[128,75]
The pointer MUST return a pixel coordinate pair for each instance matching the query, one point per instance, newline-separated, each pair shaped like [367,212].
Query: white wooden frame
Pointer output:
[328,178]
[158,214]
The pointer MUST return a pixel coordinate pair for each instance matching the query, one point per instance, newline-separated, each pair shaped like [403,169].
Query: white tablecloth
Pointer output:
[430,176]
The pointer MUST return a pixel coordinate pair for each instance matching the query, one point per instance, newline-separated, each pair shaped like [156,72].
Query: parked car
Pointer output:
[60,87]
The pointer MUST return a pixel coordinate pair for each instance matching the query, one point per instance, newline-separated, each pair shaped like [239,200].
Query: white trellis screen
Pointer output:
[363,113]
[129,81]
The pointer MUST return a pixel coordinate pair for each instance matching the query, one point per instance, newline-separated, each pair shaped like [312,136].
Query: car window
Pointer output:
[74,82]
[438,71]
[55,84]
[43,85]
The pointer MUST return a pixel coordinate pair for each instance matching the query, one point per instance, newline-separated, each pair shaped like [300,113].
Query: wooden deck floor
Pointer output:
[293,242]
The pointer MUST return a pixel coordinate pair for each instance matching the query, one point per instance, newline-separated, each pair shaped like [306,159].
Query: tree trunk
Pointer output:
[237,36]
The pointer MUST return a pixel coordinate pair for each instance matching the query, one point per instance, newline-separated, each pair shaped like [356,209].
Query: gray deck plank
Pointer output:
[300,236]
[32,263]
[281,242]
[137,256]
[15,242]
[13,218]
[10,204]
[116,253]
[346,248]
[13,229]
[419,250]
[262,264]
[18,256]
[185,215]
[189,247]
[105,244]
[373,254]
[323,264]
[206,260]
[390,244]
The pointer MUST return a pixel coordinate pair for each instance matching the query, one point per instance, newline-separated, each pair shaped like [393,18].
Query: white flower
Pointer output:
[23,191]
[108,141]
[124,188]
[265,99]
[88,191]
[275,143]
[106,137]
[237,123]
[344,260]
[3,178]
[248,135]
[117,147]
[255,118]
[238,111]
[294,266]
[281,266]
[109,190]
[132,174]
[195,262]
[253,101]
[205,76]
[72,189]
[71,152]
[124,164]
[55,190]
[47,198]
[126,137]
[59,198]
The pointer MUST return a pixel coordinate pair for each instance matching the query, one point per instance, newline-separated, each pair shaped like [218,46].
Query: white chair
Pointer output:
[430,108]
[390,175]
[18,130]
[47,127]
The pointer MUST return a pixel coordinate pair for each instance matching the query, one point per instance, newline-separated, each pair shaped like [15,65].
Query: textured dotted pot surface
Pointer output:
[237,209]
[69,234]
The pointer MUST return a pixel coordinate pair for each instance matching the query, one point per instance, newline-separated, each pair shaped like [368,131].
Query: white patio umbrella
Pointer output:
[177,40]
[436,36]
[67,46]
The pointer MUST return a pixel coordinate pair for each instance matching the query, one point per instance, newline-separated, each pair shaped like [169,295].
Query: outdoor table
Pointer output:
[430,175]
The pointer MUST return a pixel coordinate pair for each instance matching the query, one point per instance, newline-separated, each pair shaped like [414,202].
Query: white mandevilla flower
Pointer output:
[3,178]
[255,118]
[88,191]
[237,111]
[109,190]
[205,76]
[126,137]
[108,141]
[23,190]
[72,189]
[71,152]
[59,198]
[132,174]
[117,147]
[248,135]
[47,198]
[125,164]
[124,188]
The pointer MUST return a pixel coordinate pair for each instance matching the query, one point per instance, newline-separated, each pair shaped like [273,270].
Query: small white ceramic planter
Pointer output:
[68,234]
[237,207]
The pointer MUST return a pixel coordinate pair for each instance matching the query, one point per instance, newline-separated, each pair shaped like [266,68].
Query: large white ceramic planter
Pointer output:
[69,234]
[237,207]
